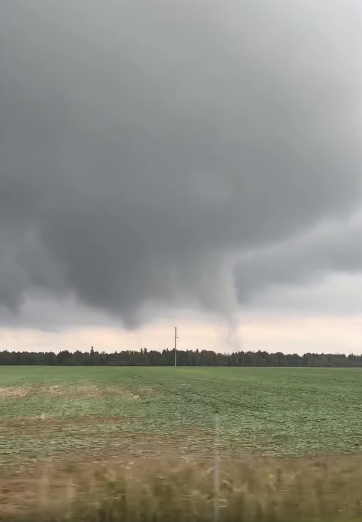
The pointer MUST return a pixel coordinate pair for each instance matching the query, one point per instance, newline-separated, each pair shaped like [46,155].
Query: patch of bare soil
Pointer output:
[46,422]
[58,390]
[14,391]
[61,390]
[86,390]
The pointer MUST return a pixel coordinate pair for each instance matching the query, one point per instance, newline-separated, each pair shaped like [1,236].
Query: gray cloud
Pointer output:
[334,295]
[147,144]
[327,252]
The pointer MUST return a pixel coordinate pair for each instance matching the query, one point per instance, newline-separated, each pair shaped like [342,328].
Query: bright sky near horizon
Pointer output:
[190,162]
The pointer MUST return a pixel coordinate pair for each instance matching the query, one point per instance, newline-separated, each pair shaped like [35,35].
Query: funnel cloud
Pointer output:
[183,154]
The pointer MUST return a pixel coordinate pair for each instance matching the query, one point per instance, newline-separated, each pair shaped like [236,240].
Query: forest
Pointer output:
[184,358]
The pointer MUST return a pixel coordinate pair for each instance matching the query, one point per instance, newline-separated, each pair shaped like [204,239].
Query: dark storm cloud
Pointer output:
[328,251]
[146,144]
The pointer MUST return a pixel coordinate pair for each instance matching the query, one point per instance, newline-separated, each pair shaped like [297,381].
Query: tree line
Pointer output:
[184,358]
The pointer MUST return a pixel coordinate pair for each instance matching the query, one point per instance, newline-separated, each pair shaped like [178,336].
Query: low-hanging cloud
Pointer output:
[146,144]
[324,252]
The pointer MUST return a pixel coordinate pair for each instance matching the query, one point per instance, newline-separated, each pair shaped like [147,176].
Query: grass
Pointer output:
[253,490]
[273,412]
[271,420]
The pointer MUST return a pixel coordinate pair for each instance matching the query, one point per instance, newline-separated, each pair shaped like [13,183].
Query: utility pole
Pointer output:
[176,345]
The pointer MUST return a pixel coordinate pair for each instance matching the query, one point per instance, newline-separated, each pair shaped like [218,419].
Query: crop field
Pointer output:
[93,415]
[47,411]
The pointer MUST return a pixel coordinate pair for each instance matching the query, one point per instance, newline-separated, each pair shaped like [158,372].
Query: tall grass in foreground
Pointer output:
[254,490]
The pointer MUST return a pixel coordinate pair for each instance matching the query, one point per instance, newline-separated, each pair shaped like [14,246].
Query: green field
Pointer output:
[95,444]
[51,411]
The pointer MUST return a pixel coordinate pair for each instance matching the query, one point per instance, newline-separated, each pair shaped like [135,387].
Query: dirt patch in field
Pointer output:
[151,391]
[54,390]
[121,391]
[60,390]
[14,391]
[93,390]
[90,390]
[46,422]
[86,390]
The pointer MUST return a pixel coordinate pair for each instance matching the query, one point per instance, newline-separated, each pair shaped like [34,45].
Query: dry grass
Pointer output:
[253,490]
[88,390]
[9,392]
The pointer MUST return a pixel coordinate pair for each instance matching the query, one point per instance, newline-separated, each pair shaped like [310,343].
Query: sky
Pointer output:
[181,162]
